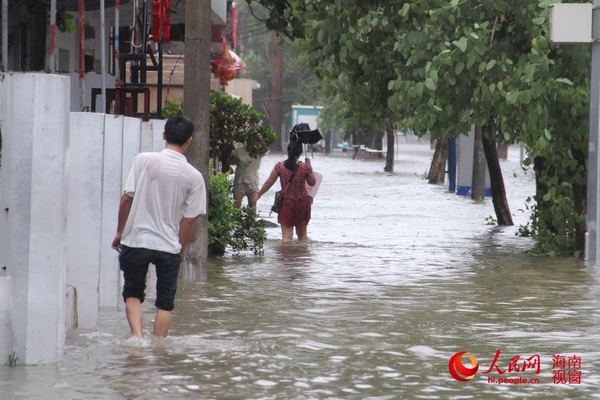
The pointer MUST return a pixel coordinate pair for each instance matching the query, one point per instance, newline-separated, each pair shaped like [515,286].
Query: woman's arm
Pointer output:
[267,185]
[310,179]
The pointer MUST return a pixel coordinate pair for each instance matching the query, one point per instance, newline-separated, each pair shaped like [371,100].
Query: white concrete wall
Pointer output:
[6,330]
[61,179]
[35,126]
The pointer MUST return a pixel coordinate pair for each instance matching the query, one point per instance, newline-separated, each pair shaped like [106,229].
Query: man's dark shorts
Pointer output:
[134,263]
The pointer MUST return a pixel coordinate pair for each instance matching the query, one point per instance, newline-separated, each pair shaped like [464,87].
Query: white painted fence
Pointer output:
[61,177]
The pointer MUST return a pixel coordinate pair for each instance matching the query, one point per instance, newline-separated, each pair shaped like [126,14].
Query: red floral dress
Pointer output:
[296,206]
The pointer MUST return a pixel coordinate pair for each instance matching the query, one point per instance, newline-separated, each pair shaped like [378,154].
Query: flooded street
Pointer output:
[398,276]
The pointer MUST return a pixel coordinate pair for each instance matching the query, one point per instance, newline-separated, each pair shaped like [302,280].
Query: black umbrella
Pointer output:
[303,134]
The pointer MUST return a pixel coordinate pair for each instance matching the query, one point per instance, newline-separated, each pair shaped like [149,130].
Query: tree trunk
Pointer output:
[437,170]
[389,156]
[496,180]
[196,103]
[328,144]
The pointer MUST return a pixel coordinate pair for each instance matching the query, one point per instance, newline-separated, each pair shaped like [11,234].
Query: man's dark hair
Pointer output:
[178,130]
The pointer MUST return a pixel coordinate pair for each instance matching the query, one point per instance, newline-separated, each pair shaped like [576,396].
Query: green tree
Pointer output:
[232,121]
[490,63]
[463,62]
[343,45]
[299,85]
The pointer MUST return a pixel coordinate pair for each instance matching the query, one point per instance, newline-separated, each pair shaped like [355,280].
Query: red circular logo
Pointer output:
[459,371]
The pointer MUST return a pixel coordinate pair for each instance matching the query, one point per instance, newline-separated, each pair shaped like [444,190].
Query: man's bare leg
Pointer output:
[162,322]
[250,196]
[238,197]
[135,316]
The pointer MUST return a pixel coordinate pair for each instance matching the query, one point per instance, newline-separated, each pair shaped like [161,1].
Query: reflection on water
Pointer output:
[398,276]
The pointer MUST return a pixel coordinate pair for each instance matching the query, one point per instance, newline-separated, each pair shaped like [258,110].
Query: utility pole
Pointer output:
[276,89]
[196,106]
[593,190]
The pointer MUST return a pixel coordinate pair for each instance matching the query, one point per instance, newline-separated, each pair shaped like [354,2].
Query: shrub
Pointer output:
[171,108]
[229,225]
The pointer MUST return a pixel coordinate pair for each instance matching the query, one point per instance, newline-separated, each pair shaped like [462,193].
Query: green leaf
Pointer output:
[419,88]
[547,197]
[490,65]
[512,97]
[430,84]
[539,21]
[564,80]
[405,9]
[459,67]
[462,44]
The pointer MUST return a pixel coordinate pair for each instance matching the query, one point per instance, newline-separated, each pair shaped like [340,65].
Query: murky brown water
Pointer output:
[398,277]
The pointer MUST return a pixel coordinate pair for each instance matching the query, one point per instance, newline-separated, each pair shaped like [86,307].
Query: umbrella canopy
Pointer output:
[303,134]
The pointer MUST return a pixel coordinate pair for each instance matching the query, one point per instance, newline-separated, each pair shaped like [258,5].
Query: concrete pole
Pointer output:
[591,243]
[196,106]
[4,35]
[116,39]
[276,90]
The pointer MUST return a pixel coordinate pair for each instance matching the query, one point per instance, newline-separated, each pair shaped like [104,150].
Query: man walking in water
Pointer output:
[162,198]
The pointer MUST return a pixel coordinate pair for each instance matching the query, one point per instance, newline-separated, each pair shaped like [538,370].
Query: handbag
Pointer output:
[280,194]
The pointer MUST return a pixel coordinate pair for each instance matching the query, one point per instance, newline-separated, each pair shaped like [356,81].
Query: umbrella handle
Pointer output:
[312,151]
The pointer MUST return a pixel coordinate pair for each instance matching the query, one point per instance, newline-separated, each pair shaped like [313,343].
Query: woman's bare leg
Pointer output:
[287,233]
[302,232]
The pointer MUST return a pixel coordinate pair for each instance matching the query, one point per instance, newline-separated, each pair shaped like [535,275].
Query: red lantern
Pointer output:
[161,21]
[226,66]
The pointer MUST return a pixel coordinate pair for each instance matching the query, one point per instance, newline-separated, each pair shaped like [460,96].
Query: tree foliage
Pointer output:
[229,225]
[299,84]
[450,64]
[232,121]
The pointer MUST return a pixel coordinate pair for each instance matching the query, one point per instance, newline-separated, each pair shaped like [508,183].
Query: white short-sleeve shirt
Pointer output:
[165,188]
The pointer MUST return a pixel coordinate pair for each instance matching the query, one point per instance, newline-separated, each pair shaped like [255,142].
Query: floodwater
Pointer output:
[398,276]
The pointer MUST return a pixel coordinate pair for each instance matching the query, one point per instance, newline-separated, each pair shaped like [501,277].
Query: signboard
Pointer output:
[571,23]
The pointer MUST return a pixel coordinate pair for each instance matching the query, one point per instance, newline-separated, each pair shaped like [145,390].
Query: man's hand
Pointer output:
[116,244]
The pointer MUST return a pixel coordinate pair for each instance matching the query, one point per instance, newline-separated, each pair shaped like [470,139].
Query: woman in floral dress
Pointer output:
[296,207]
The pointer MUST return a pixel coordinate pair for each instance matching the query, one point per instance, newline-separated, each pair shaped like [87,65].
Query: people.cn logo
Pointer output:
[459,371]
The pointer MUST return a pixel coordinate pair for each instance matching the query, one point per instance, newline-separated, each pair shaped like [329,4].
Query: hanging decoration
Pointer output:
[226,66]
